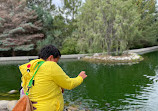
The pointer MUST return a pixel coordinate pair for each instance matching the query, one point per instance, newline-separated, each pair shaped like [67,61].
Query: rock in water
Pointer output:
[70,108]
[96,54]
[12,91]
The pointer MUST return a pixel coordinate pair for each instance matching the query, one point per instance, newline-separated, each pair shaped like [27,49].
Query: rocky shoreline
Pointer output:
[6,105]
[73,56]
[125,58]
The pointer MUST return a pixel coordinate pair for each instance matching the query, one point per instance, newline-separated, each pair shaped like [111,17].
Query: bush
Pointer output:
[69,46]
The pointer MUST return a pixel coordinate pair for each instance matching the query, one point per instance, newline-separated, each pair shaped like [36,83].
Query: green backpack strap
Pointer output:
[31,81]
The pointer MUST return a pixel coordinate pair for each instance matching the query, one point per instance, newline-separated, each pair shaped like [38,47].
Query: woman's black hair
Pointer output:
[48,50]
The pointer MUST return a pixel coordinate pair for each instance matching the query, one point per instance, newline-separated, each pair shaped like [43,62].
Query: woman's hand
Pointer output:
[83,74]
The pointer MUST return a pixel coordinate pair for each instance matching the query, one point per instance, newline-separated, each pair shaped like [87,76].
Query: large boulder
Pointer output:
[3,105]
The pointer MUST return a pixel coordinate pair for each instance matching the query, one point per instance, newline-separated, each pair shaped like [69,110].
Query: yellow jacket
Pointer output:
[49,80]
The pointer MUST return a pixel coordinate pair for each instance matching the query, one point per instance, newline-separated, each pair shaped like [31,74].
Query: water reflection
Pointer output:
[147,100]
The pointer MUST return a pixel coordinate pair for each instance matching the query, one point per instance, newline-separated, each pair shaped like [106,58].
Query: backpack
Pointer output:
[24,103]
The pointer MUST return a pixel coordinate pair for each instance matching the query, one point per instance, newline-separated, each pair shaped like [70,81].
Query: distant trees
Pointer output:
[19,27]
[45,10]
[70,11]
[107,26]
[148,24]
[99,26]
[47,5]
[78,26]
[59,31]
[70,8]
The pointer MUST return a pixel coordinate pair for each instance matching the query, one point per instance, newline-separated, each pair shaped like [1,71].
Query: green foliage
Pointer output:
[47,5]
[1,19]
[24,47]
[70,45]
[101,26]
[62,26]
[8,43]
[107,26]
[47,21]
[70,8]
[44,16]
[148,24]
[44,42]
[19,29]
[5,49]
[4,35]
[60,30]
[126,25]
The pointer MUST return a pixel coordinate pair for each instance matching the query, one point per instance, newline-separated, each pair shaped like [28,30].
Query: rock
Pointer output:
[70,108]
[107,104]
[12,91]
[87,57]
[96,54]
[3,105]
[125,58]
[11,105]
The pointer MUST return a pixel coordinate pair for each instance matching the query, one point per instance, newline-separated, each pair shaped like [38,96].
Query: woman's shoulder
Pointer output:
[50,64]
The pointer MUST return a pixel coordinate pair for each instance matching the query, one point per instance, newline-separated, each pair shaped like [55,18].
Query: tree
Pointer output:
[19,26]
[70,8]
[64,23]
[148,24]
[45,10]
[54,24]
[54,28]
[47,5]
[107,26]
[69,45]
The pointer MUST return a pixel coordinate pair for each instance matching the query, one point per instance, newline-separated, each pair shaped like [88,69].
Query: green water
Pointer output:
[107,87]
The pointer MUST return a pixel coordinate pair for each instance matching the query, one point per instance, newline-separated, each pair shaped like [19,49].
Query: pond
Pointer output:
[107,87]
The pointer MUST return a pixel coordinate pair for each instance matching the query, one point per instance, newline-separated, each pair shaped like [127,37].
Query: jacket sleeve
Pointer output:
[64,81]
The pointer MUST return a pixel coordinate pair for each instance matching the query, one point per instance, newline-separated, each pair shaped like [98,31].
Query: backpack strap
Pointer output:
[31,81]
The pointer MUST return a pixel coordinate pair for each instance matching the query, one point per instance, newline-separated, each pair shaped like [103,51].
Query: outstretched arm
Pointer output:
[64,81]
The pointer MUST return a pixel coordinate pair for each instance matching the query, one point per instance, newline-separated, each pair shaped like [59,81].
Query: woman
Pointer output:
[49,80]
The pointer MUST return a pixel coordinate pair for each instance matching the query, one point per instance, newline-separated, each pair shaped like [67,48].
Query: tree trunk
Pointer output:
[13,53]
